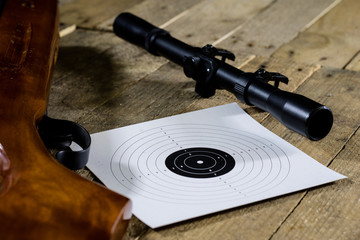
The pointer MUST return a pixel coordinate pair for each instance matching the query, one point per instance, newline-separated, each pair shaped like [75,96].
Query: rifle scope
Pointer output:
[301,114]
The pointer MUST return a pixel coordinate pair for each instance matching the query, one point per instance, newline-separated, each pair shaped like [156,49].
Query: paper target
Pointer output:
[197,164]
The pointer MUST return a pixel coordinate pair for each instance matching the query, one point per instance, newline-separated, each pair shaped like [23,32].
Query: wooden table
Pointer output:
[102,82]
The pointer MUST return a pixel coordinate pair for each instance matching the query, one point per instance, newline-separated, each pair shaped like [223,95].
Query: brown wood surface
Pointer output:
[103,82]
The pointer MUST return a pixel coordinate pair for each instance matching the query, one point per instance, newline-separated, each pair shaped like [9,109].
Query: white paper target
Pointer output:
[236,164]
[198,163]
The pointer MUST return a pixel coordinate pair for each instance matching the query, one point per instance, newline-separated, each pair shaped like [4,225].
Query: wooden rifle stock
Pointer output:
[39,198]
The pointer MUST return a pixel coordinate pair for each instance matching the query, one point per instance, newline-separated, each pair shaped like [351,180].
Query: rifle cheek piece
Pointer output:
[297,112]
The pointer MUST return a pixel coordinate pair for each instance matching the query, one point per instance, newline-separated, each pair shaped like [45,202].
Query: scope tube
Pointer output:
[301,114]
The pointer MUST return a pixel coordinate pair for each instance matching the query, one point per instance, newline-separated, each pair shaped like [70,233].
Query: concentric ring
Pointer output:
[148,164]
[200,162]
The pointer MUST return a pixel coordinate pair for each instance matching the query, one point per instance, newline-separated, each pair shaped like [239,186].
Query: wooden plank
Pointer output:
[163,10]
[331,41]
[331,212]
[89,13]
[210,20]
[62,2]
[88,75]
[144,101]
[354,63]
[275,26]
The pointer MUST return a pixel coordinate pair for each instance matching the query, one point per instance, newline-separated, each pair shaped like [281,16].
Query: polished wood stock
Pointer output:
[39,198]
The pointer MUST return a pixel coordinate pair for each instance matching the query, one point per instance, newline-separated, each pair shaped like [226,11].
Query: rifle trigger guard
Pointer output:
[59,134]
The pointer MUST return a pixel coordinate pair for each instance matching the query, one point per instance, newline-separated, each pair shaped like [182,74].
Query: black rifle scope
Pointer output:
[297,112]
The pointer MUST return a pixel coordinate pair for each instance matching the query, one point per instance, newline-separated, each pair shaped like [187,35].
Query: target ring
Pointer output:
[225,164]
[200,162]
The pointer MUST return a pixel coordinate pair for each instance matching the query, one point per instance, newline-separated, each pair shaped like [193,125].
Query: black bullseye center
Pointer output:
[200,162]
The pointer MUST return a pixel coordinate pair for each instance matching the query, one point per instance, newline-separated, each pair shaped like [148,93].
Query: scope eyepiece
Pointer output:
[133,29]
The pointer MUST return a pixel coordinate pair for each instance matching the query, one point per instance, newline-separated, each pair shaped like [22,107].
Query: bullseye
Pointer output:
[200,162]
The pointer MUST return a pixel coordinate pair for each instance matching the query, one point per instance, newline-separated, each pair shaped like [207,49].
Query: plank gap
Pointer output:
[291,212]
[323,13]
[307,191]
[350,60]
[238,28]
[94,29]
[344,146]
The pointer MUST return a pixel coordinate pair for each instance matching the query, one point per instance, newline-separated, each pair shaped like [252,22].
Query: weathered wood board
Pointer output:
[330,212]
[331,41]
[103,82]
[276,25]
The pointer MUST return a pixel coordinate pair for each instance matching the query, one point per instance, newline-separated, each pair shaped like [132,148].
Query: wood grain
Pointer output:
[275,26]
[156,11]
[354,63]
[89,13]
[330,212]
[115,65]
[292,37]
[332,41]
[214,19]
